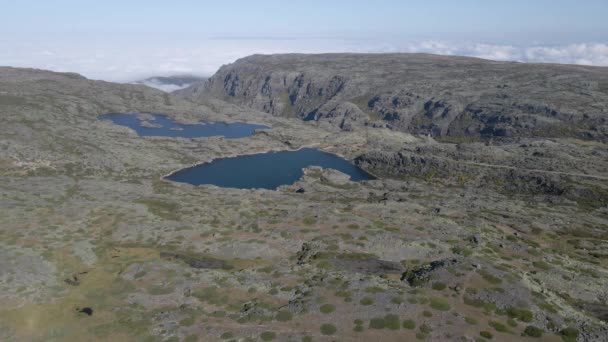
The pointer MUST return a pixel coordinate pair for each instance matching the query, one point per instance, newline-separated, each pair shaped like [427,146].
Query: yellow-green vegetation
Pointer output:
[367,301]
[569,334]
[268,336]
[327,308]
[328,329]
[486,334]
[284,316]
[409,324]
[498,326]
[165,209]
[440,304]
[533,331]
[439,286]
[521,314]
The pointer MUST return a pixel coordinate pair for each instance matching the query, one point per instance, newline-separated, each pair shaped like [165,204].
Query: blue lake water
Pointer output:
[265,170]
[162,126]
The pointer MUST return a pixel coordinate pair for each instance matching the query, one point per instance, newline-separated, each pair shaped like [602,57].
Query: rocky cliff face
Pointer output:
[424,94]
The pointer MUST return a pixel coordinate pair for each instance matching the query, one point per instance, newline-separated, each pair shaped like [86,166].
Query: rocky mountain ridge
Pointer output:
[442,96]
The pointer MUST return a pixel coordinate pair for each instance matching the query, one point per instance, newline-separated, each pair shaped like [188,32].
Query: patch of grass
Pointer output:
[486,334]
[367,301]
[268,336]
[392,322]
[478,303]
[521,314]
[409,324]
[541,265]
[374,289]
[439,286]
[425,329]
[377,323]
[396,300]
[440,304]
[328,329]
[284,316]
[427,313]
[471,320]
[186,322]
[569,334]
[309,221]
[498,326]
[490,278]
[227,335]
[327,308]
[191,338]
[167,210]
[157,290]
[533,331]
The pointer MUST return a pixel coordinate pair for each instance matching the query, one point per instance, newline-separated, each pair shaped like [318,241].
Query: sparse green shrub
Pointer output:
[392,322]
[523,315]
[478,303]
[268,336]
[328,329]
[186,322]
[569,334]
[533,331]
[427,313]
[374,289]
[440,304]
[157,290]
[397,300]
[227,335]
[470,320]
[358,328]
[421,336]
[425,329]
[327,308]
[409,324]
[367,301]
[284,316]
[377,323]
[541,265]
[498,326]
[490,278]
[486,334]
[439,286]
[309,220]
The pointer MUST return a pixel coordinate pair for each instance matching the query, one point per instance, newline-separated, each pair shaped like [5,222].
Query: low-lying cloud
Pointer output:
[583,53]
[127,60]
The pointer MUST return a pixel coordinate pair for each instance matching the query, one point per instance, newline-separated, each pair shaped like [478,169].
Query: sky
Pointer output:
[127,40]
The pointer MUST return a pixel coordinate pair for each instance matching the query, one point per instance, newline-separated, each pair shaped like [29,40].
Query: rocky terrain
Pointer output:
[441,96]
[464,236]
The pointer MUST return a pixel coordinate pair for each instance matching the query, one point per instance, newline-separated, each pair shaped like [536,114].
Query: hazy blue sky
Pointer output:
[120,40]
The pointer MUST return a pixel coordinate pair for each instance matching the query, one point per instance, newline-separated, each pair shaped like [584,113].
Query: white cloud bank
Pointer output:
[583,53]
[126,60]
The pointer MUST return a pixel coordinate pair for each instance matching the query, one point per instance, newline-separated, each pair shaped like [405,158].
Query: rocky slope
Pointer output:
[455,97]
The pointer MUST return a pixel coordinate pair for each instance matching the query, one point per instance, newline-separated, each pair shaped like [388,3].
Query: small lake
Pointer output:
[156,125]
[265,170]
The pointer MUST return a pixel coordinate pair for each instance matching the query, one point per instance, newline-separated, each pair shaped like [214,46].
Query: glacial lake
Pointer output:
[265,170]
[149,124]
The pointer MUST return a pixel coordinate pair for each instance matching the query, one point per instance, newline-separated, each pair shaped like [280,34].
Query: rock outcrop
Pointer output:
[424,94]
